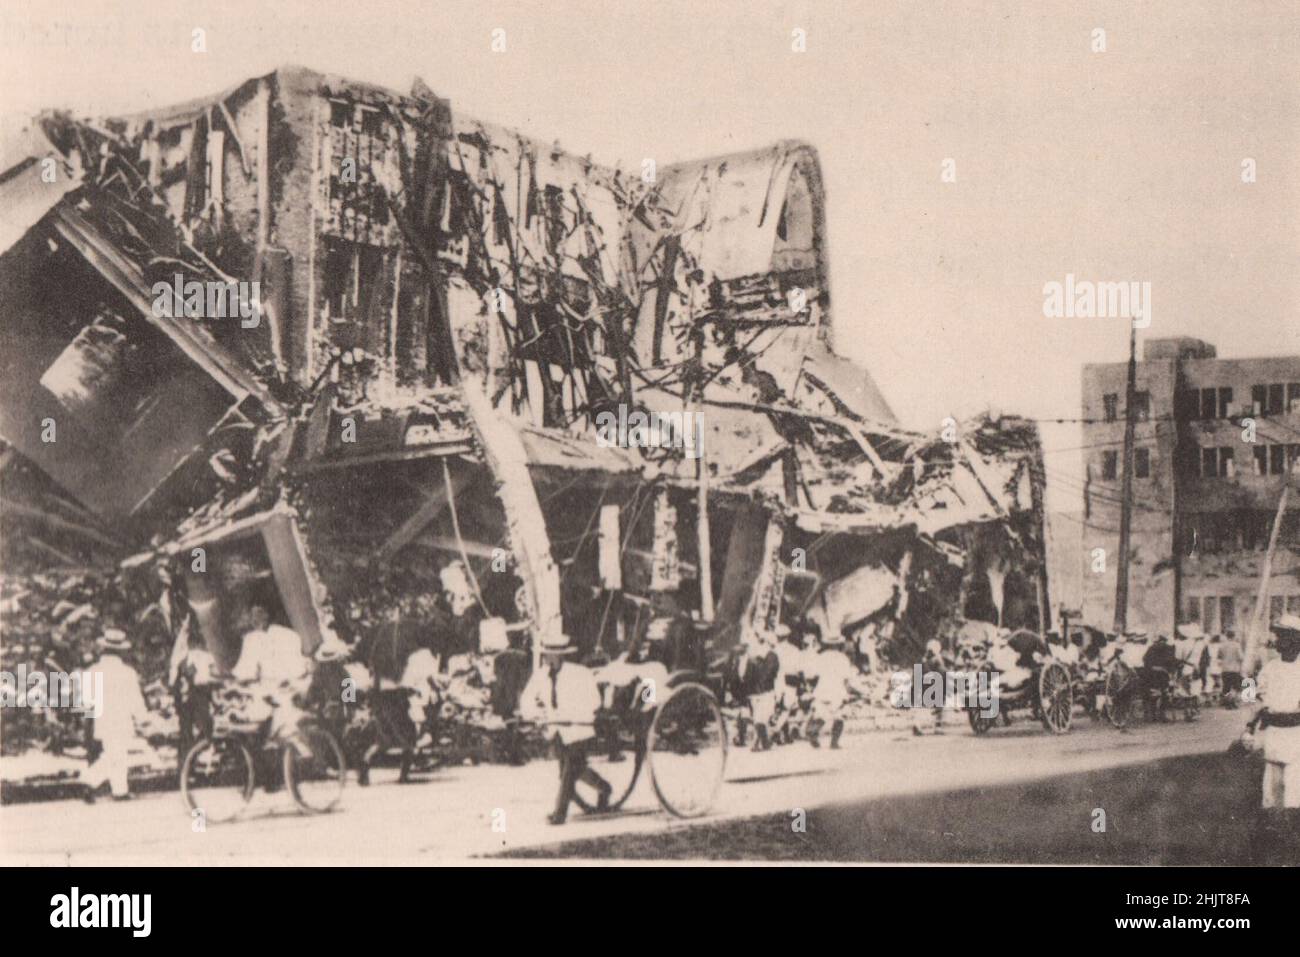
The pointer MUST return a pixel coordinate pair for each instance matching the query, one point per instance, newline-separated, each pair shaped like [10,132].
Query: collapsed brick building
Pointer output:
[446,309]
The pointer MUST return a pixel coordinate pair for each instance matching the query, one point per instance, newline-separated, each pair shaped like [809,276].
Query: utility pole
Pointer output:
[1261,598]
[703,534]
[1126,494]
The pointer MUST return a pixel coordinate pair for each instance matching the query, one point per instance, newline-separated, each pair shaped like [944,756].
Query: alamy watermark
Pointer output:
[209,300]
[924,688]
[1084,299]
[81,691]
[636,429]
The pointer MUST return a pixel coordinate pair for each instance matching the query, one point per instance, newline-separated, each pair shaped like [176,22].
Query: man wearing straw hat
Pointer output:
[120,706]
[565,695]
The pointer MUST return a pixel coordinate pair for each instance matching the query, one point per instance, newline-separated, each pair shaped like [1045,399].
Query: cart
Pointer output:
[678,733]
[1048,695]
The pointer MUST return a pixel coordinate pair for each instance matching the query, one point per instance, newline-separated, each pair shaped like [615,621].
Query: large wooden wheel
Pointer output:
[687,750]
[1055,697]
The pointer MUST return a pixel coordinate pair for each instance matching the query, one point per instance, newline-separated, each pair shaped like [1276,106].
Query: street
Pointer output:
[1169,793]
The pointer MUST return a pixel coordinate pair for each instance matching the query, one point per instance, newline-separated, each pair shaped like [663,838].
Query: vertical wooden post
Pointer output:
[1261,598]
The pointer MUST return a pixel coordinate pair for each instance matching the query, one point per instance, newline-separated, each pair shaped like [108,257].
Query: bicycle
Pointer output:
[218,775]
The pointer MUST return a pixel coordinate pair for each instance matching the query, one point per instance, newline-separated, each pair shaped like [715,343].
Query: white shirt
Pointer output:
[834,671]
[571,699]
[1279,689]
[272,656]
[122,702]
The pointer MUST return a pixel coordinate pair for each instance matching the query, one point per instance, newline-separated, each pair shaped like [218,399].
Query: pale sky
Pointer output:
[1116,165]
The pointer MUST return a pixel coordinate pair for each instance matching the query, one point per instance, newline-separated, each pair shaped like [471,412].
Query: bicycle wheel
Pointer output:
[687,750]
[217,779]
[314,769]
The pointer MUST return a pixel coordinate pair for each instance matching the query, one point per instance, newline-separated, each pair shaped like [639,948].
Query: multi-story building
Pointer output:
[1215,439]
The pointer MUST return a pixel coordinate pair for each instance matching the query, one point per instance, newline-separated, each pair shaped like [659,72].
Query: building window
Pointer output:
[351,274]
[1109,465]
[1142,463]
[1275,404]
[1293,605]
[1227,614]
[1268,399]
[1261,459]
[372,121]
[1277,460]
[1227,463]
[1110,403]
[1142,406]
[1209,463]
[1293,396]
[1276,607]
[1209,403]
[1209,621]
[1194,609]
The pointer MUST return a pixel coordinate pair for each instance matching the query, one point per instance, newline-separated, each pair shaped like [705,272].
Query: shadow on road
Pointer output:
[1199,809]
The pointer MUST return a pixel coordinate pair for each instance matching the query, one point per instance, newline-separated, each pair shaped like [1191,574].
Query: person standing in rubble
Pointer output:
[565,695]
[121,706]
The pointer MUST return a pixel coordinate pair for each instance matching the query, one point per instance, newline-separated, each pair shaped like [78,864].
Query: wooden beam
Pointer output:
[419,519]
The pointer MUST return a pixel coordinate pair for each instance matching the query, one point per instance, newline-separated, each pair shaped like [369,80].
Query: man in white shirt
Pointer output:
[565,695]
[271,654]
[1279,689]
[121,708]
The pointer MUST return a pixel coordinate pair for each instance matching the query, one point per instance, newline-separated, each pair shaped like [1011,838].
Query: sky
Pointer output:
[1122,164]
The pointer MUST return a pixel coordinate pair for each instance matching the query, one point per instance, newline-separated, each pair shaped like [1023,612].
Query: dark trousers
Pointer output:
[193,716]
[573,768]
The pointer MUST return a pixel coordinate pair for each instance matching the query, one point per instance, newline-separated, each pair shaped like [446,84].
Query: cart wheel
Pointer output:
[687,750]
[217,779]
[618,759]
[1055,697]
[979,723]
[1121,684]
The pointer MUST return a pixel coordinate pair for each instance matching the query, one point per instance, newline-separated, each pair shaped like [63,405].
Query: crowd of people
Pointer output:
[417,680]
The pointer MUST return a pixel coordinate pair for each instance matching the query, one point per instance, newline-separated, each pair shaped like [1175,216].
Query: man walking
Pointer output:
[120,705]
[565,695]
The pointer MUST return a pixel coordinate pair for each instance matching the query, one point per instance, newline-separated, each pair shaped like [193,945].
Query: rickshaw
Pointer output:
[676,730]
[1147,692]
[1047,694]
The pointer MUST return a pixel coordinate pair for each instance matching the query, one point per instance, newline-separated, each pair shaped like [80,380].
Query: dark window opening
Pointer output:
[1209,463]
[1142,463]
[1110,402]
[340,113]
[1109,465]
[1142,406]
[372,122]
